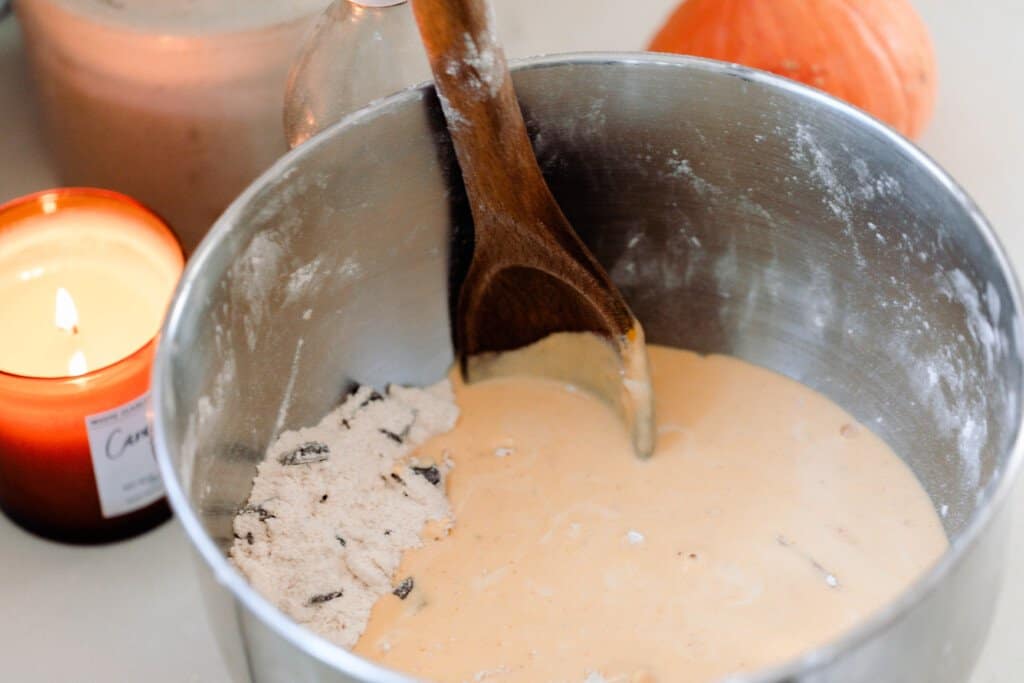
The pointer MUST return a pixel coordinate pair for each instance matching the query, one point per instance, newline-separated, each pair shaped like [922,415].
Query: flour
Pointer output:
[255,272]
[480,65]
[334,506]
[303,280]
[681,168]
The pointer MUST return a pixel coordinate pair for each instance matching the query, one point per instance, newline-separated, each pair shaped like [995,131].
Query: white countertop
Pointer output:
[132,611]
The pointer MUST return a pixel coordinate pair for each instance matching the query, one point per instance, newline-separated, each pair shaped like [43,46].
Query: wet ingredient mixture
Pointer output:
[767,522]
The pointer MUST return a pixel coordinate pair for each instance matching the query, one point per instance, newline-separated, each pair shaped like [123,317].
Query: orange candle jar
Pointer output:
[85,278]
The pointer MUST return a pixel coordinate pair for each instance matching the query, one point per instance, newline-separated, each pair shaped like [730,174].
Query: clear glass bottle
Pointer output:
[359,51]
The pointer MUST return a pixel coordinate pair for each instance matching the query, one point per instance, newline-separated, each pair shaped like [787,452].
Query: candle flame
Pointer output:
[66,315]
[49,202]
[77,364]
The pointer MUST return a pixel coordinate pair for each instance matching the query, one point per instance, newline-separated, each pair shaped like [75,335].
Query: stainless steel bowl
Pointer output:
[739,212]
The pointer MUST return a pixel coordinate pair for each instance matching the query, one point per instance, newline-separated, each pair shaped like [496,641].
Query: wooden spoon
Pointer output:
[534,300]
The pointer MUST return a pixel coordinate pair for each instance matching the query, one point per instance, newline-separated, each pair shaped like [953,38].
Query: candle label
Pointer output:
[122,458]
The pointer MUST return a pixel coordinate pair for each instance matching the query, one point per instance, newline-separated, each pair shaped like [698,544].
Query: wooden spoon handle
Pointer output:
[473,82]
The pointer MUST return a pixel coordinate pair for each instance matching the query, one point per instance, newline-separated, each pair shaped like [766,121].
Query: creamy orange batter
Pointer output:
[767,522]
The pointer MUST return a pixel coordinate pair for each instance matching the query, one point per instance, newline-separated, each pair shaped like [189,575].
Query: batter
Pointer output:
[767,522]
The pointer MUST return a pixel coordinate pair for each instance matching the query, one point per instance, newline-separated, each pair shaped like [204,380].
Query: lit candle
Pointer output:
[85,278]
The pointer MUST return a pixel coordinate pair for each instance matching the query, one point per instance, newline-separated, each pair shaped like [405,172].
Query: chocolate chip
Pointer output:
[309,452]
[258,510]
[403,589]
[391,435]
[374,396]
[324,597]
[431,474]
[323,498]
[341,541]
[249,538]
[387,532]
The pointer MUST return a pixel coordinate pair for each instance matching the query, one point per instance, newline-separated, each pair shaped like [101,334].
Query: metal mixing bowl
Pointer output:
[740,213]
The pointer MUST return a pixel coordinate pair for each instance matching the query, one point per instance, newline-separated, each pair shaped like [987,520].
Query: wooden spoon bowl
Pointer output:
[534,299]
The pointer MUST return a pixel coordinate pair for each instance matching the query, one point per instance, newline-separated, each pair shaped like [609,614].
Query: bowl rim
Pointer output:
[349,663]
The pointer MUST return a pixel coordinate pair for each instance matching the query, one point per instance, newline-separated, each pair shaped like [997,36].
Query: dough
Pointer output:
[766,523]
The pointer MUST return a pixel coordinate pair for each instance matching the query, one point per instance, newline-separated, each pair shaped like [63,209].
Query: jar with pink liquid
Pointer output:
[175,102]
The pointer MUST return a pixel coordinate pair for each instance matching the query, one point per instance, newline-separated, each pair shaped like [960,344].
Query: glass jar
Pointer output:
[360,51]
[175,102]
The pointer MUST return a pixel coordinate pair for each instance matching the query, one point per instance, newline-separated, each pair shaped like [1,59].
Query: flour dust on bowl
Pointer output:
[739,213]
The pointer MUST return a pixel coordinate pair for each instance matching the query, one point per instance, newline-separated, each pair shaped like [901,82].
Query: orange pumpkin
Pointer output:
[875,54]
